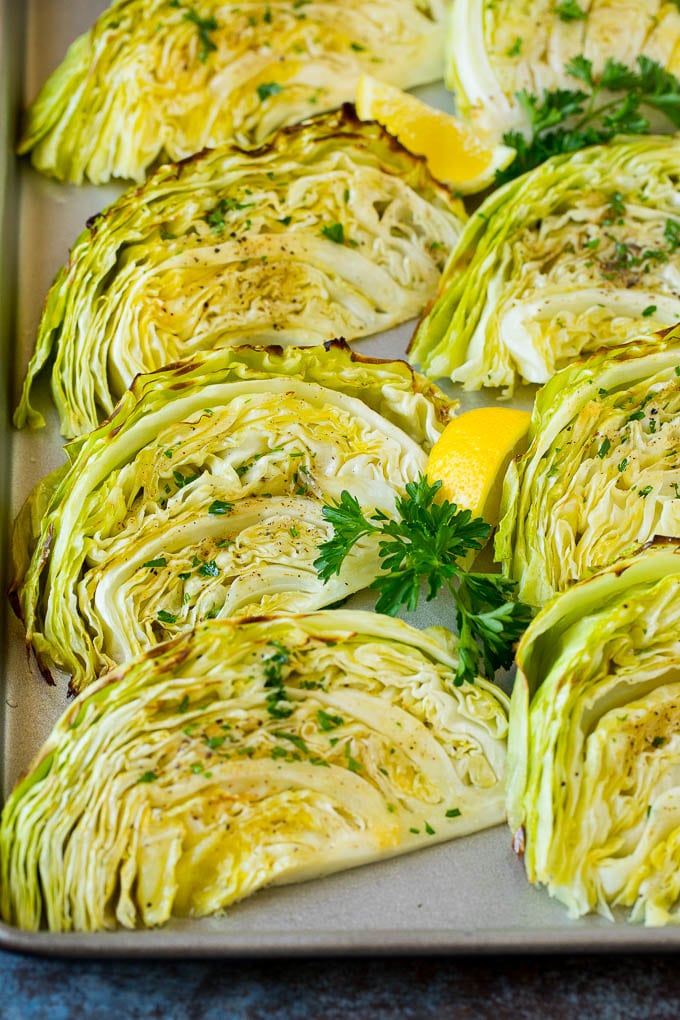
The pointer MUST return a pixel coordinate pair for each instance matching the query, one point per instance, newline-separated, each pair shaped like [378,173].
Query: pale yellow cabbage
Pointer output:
[244,754]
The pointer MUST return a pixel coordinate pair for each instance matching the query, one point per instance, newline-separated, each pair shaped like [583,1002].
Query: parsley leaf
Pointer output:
[220,507]
[267,89]
[569,10]
[205,26]
[334,232]
[425,543]
[564,120]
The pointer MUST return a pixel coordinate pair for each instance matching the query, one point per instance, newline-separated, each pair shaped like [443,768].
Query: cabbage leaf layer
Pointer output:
[497,50]
[332,230]
[594,746]
[580,253]
[159,78]
[247,753]
[202,497]
[601,476]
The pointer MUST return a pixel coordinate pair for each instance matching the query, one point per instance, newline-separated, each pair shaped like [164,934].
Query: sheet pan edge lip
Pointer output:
[338,942]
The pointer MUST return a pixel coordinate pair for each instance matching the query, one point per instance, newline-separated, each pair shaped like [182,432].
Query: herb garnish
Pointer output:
[209,569]
[164,617]
[516,47]
[328,722]
[334,232]
[215,218]
[267,89]
[150,777]
[564,120]
[425,542]
[219,507]
[273,670]
[569,10]
[205,26]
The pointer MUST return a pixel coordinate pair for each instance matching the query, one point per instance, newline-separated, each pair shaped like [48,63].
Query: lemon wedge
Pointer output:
[457,153]
[472,454]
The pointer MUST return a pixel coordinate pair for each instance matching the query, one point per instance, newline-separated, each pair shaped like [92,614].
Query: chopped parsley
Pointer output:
[334,232]
[672,234]
[147,777]
[328,722]
[164,617]
[215,742]
[273,670]
[294,740]
[182,480]
[516,47]
[209,569]
[159,562]
[219,507]
[205,26]
[215,218]
[352,764]
[267,89]
[569,10]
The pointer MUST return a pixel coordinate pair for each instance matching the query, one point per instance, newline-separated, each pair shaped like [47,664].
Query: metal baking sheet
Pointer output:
[467,896]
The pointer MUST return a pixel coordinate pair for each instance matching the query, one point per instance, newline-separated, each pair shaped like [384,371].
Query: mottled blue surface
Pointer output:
[612,988]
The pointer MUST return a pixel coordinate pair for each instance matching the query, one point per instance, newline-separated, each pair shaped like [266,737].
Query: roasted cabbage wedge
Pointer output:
[594,746]
[202,497]
[161,79]
[246,753]
[580,253]
[331,230]
[497,50]
[601,476]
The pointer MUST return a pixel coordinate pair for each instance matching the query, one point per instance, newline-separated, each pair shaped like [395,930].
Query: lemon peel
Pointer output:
[472,454]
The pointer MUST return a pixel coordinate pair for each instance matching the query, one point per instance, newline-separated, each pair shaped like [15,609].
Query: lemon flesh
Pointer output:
[456,153]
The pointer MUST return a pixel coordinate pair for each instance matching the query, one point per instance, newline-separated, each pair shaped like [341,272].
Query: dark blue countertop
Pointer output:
[554,988]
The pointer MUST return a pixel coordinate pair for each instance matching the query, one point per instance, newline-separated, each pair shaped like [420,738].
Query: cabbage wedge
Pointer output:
[580,253]
[248,753]
[601,476]
[497,50]
[202,497]
[164,79]
[331,230]
[594,746]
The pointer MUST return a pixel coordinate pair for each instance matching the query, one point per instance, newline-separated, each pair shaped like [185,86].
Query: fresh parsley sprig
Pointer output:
[563,120]
[426,542]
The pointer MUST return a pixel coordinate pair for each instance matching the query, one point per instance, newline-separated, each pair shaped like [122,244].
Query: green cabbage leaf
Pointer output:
[497,51]
[247,753]
[332,230]
[601,476]
[164,79]
[594,745]
[580,253]
[203,497]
